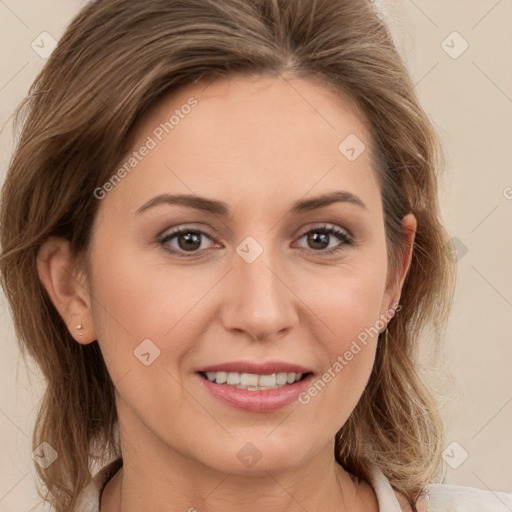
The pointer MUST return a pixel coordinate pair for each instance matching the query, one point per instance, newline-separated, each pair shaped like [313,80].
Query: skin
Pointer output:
[259,144]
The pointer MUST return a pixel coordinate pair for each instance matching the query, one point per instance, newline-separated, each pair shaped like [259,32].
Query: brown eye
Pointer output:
[184,241]
[189,241]
[319,239]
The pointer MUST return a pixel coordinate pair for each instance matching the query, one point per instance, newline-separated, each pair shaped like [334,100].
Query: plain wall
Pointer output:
[469,99]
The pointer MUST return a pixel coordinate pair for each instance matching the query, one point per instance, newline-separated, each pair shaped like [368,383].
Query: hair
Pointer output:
[116,59]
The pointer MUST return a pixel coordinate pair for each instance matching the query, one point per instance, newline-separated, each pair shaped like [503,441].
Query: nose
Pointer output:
[259,298]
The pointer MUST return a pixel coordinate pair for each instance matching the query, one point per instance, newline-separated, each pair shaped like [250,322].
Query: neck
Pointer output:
[155,475]
[333,490]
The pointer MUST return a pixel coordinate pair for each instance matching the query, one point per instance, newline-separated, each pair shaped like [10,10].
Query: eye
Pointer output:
[186,240]
[319,239]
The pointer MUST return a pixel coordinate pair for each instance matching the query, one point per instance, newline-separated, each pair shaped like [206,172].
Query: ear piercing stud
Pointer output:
[79,327]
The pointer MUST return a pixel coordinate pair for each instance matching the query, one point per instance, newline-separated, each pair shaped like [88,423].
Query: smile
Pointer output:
[261,387]
[253,382]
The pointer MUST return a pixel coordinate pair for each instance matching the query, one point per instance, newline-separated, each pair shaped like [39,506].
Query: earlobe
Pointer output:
[67,291]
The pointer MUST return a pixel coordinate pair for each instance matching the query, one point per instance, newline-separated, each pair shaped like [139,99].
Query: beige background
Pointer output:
[469,98]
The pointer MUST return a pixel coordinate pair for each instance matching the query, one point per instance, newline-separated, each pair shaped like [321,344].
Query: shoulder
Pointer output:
[458,498]
[439,497]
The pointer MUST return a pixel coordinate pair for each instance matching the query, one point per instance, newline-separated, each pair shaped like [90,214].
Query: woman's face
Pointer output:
[254,286]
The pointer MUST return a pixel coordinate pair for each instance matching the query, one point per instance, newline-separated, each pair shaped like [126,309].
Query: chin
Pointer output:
[259,454]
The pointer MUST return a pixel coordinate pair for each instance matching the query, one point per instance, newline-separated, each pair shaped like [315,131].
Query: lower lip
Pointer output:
[267,400]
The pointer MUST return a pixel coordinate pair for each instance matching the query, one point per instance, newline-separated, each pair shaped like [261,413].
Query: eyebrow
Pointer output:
[221,208]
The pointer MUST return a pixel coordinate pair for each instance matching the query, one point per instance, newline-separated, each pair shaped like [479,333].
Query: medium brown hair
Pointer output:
[115,60]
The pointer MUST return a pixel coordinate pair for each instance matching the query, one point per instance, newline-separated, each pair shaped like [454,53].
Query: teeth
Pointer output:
[233,378]
[268,381]
[220,377]
[253,382]
[248,379]
[290,377]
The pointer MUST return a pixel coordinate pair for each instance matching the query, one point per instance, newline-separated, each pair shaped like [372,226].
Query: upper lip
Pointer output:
[256,368]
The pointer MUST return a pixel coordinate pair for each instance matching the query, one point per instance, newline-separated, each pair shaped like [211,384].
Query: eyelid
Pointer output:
[171,233]
[184,227]
[327,225]
[344,236]
[318,225]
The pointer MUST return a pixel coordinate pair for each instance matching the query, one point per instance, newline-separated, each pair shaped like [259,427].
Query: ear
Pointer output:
[395,282]
[68,291]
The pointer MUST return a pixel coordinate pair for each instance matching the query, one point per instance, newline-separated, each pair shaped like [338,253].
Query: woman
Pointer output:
[221,243]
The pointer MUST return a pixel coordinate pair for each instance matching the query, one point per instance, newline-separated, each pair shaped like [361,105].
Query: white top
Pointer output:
[441,497]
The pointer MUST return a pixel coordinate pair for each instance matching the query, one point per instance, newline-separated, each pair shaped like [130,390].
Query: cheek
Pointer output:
[347,306]
[347,302]
[136,299]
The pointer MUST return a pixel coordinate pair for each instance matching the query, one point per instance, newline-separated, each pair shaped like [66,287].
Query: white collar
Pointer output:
[386,496]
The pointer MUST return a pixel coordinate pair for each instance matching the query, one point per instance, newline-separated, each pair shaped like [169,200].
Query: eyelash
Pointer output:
[342,235]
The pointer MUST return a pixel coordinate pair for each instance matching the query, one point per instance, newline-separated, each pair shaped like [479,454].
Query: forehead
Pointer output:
[256,137]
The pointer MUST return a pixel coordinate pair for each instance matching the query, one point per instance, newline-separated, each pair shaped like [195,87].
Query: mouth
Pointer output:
[255,376]
[255,387]
[254,381]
